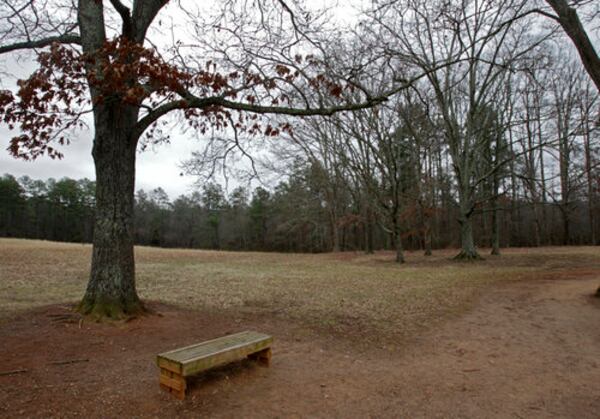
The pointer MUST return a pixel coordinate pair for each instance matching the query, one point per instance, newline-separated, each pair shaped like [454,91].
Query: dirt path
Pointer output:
[528,349]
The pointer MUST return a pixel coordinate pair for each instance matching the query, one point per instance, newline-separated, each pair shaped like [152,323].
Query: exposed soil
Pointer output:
[527,349]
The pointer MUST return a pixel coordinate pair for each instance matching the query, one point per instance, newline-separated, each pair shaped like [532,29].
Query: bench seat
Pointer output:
[180,363]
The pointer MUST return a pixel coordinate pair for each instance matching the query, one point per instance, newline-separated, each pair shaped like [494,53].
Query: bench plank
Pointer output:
[193,359]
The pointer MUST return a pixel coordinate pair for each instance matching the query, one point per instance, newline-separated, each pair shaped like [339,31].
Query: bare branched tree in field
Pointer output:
[478,47]
[236,60]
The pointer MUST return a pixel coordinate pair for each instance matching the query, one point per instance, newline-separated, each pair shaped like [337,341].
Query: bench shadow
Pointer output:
[219,374]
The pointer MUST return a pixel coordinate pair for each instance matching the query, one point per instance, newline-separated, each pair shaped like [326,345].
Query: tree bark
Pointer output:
[399,249]
[397,238]
[468,250]
[569,20]
[427,236]
[111,291]
[335,238]
[495,230]
[465,220]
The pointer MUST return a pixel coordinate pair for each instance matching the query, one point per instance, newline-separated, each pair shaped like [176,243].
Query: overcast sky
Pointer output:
[155,168]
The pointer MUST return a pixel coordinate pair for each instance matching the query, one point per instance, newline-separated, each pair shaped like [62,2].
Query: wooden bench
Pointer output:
[178,364]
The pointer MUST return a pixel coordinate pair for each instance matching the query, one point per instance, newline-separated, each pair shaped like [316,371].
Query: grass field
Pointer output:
[342,292]
[354,335]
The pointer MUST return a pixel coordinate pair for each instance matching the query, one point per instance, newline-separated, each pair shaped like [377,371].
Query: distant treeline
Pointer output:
[60,210]
[294,216]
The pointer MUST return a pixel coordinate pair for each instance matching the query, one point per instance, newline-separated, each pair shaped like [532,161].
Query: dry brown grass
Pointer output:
[341,292]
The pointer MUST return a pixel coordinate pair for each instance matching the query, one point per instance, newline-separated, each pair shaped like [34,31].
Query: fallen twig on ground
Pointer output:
[69,361]
[13,372]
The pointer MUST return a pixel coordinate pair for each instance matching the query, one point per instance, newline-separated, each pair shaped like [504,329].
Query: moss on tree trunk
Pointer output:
[100,309]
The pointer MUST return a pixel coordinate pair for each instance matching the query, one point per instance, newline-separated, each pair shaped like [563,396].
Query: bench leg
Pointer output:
[263,357]
[173,383]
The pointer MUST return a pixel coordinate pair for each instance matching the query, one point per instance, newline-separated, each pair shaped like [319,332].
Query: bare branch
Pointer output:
[569,20]
[41,43]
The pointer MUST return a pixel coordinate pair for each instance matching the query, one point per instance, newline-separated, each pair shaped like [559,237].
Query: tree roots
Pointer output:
[100,310]
[468,256]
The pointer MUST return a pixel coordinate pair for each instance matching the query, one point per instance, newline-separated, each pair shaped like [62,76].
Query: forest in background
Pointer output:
[294,216]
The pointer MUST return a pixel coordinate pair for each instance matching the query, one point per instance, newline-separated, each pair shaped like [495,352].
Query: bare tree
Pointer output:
[566,86]
[378,150]
[316,142]
[478,47]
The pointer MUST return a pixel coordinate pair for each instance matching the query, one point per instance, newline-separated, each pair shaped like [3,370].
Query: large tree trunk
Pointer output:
[465,220]
[399,249]
[427,236]
[111,289]
[468,250]
[335,238]
[397,239]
